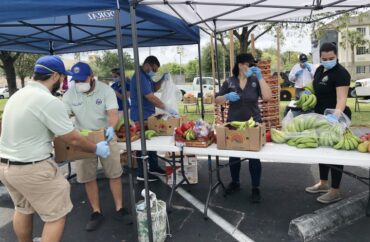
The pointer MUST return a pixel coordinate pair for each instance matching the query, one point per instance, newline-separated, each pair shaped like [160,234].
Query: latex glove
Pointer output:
[232,96]
[257,71]
[331,118]
[307,66]
[109,133]
[299,73]
[102,149]
[171,111]
[307,92]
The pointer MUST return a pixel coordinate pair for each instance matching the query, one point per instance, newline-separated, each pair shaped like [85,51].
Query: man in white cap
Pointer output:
[95,107]
[31,119]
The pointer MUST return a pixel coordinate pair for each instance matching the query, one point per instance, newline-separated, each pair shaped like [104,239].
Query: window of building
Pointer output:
[361,30]
[360,50]
[360,69]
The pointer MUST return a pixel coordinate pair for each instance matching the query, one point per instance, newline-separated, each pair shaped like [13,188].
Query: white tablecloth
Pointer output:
[271,152]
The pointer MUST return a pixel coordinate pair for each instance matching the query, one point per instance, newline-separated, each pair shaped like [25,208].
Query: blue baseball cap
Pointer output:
[80,71]
[50,64]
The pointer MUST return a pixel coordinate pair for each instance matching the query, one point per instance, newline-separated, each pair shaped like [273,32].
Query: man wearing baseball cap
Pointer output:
[95,107]
[31,119]
[301,74]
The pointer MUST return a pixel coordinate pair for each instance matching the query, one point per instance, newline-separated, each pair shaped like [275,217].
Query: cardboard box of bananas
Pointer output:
[308,99]
[313,130]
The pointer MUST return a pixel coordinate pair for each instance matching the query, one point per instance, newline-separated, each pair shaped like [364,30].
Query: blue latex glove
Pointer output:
[232,96]
[307,92]
[299,73]
[109,133]
[102,149]
[331,118]
[307,66]
[254,70]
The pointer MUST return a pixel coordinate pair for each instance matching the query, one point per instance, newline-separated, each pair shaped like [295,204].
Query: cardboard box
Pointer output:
[203,142]
[190,168]
[164,127]
[64,152]
[190,99]
[251,139]
[208,99]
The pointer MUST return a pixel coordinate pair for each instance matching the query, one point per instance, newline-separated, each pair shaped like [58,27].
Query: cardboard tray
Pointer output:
[203,142]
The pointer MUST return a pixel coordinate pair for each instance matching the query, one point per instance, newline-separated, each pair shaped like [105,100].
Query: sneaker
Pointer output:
[329,197]
[151,178]
[95,221]
[232,187]
[317,188]
[158,171]
[122,215]
[256,195]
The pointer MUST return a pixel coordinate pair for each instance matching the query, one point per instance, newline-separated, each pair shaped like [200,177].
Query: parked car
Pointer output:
[4,92]
[194,88]
[359,83]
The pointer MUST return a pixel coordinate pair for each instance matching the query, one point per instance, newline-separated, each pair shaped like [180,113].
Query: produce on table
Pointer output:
[150,134]
[364,147]
[365,137]
[268,136]
[278,136]
[241,125]
[191,131]
[349,141]
[120,129]
[308,139]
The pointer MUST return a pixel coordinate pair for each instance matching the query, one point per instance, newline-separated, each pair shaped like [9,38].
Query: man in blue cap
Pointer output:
[94,106]
[31,119]
[150,102]
[116,85]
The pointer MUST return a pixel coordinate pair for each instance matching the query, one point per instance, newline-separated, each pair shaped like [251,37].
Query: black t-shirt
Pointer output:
[247,105]
[325,84]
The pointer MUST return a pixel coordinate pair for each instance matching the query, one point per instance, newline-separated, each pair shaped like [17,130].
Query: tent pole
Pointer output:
[126,118]
[200,82]
[144,156]
[218,69]
[51,48]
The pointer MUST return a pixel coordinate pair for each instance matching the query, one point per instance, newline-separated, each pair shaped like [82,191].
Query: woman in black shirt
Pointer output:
[242,91]
[331,83]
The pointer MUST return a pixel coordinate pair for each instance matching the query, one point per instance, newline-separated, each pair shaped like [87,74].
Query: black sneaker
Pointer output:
[122,215]
[158,171]
[232,187]
[151,178]
[95,221]
[256,195]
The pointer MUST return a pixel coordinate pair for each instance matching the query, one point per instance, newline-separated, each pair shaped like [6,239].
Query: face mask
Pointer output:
[329,64]
[116,79]
[151,73]
[83,87]
[55,87]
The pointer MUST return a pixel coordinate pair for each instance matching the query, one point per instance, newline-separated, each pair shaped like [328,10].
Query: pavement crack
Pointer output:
[238,222]
[191,210]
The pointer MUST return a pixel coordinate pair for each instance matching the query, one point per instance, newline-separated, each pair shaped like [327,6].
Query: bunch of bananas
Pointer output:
[331,136]
[348,141]
[308,139]
[150,134]
[307,101]
[306,122]
[190,134]
[241,125]
[309,87]
[278,136]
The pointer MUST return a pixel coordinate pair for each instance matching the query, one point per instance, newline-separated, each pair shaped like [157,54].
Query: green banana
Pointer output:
[278,136]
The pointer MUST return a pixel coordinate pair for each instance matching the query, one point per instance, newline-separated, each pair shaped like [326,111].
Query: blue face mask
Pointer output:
[151,73]
[329,64]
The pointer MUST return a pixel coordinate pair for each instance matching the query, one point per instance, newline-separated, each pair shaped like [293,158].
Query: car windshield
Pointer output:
[205,80]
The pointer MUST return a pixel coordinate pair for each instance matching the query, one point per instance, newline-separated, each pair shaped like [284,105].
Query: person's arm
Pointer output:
[113,117]
[342,93]
[119,95]
[266,93]
[220,99]
[292,73]
[158,85]
[74,139]
[155,100]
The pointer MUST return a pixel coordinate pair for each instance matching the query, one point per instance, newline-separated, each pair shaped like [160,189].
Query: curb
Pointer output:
[327,219]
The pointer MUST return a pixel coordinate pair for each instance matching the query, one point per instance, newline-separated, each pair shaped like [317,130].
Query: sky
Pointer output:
[295,40]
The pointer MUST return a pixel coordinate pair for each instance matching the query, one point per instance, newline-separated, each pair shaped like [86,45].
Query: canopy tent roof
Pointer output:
[220,15]
[94,30]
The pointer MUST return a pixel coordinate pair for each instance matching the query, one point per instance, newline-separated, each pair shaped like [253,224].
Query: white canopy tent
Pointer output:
[215,16]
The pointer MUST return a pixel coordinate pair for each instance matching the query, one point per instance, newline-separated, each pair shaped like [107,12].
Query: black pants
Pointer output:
[255,170]
[152,159]
[336,176]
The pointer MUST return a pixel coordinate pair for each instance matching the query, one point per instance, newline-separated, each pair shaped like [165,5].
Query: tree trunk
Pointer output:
[10,77]
[22,80]
[353,63]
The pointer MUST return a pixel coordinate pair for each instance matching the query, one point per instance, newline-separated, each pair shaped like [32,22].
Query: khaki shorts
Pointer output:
[39,187]
[86,168]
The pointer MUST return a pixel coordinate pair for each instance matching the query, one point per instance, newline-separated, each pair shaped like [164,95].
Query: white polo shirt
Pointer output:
[90,109]
[31,119]
[305,78]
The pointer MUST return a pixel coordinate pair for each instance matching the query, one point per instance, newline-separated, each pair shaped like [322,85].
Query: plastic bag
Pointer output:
[170,94]
[342,117]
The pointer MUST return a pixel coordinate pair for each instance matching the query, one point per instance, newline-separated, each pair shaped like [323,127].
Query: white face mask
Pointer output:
[82,87]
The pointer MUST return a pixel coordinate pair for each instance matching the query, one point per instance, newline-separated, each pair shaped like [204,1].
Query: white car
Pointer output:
[195,87]
[4,92]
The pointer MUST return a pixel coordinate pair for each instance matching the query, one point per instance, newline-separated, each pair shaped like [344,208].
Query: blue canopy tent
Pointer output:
[87,25]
